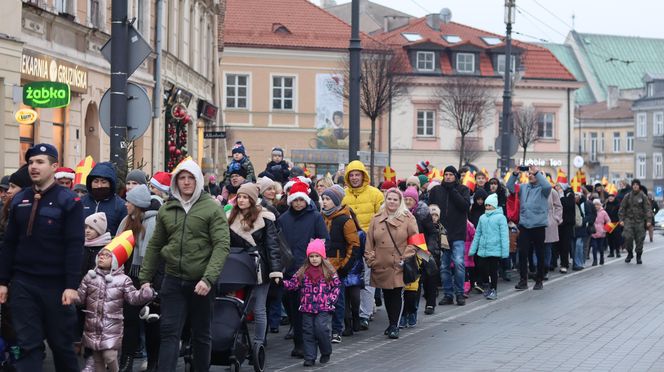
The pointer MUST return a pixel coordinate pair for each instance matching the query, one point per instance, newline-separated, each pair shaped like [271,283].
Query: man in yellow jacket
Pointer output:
[365,200]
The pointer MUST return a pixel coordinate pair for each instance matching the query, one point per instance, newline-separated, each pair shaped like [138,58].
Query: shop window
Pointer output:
[27,139]
[59,119]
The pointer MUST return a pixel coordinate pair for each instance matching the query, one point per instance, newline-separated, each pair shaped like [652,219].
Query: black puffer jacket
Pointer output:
[453,200]
[569,208]
[265,236]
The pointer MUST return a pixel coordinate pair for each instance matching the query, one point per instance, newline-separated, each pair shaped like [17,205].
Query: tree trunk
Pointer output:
[462,150]
[372,149]
[524,155]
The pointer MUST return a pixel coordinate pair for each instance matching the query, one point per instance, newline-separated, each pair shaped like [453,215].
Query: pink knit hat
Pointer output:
[316,246]
[411,192]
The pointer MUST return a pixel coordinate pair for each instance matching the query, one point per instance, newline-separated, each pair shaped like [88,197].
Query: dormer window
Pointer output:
[651,89]
[465,63]
[500,64]
[278,28]
[425,61]
[452,39]
[491,40]
[412,36]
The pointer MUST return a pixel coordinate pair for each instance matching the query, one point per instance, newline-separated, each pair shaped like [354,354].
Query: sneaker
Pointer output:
[412,320]
[446,301]
[538,286]
[274,330]
[563,270]
[429,310]
[364,324]
[492,295]
[478,288]
[336,338]
[577,268]
[403,323]
[521,286]
[394,333]
[617,255]
[309,363]
[610,255]
[460,300]
[324,359]
[387,330]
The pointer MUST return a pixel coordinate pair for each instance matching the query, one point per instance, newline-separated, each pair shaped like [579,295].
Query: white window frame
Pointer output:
[500,64]
[641,165]
[593,146]
[641,125]
[541,121]
[236,86]
[658,123]
[629,147]
[283,89]
[657,166]
[423,59]
[465,63]
[428,120]
[602,142]
[616,141]
[583,142]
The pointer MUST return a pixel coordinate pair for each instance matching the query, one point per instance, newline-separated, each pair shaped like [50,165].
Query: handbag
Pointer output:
[444,243]
[411,272]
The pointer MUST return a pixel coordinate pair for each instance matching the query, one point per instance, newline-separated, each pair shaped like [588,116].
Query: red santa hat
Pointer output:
[161,181]
[64,172]
[298,190]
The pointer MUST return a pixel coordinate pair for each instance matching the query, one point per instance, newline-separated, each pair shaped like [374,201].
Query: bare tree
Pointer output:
[383,81]
[464,104]
[472,149]
[526,127]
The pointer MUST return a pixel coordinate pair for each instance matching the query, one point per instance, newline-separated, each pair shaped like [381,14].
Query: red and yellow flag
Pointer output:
[83,169]
[581,177]
[419,241]
[389,174]
[485,172]
[548,178]
[562,176]
[611,189]
[524,177]
[604,181]
[576,185]
[609,227]
[469,181]
[434,174]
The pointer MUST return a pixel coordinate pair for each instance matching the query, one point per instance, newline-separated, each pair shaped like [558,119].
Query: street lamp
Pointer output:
[506,129]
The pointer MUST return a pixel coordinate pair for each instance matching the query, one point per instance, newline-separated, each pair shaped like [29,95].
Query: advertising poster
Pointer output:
[330,121]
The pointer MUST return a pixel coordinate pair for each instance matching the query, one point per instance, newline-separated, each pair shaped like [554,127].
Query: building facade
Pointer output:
[649,135]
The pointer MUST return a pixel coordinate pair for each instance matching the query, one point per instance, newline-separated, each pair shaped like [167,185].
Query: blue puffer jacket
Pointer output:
[491,236]
[299,228]
[355,276]
[113,206]
[533,201]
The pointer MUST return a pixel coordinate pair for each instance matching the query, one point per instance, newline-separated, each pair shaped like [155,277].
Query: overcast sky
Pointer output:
[550,20]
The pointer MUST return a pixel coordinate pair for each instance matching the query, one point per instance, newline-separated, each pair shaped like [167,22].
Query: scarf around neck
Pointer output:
[101,240]
[315,273]
[331,211]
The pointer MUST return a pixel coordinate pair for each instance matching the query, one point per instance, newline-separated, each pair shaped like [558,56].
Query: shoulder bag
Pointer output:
[411,271]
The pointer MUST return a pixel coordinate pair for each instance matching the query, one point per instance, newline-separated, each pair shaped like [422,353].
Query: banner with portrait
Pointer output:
[330,127]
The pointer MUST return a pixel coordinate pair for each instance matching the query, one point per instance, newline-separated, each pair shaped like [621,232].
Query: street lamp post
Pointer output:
[506,129]
[354,84]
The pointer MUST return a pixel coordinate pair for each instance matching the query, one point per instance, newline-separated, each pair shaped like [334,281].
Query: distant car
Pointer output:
[659,220]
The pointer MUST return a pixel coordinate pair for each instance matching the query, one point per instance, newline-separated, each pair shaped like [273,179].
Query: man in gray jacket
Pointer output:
[533,220]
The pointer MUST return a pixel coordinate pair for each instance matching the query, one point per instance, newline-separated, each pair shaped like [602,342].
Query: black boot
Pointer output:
[348,328]
[638,259]
[629,257]
[127,363]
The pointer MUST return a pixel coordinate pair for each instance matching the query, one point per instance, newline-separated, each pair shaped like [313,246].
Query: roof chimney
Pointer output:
[433,21]
[612,95]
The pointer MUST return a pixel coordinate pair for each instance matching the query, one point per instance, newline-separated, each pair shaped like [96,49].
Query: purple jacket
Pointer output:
[315,297]
[103,296]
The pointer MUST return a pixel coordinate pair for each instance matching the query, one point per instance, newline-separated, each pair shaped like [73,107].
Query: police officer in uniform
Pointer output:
[40,264]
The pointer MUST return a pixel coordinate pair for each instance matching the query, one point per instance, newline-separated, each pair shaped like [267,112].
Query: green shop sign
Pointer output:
[46,94]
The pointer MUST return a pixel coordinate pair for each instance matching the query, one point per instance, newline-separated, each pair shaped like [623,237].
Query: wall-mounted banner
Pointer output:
[40,67]
[26,116]
[46,94]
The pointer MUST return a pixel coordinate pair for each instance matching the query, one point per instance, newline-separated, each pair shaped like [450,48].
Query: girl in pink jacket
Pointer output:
[597,238]
[103,292]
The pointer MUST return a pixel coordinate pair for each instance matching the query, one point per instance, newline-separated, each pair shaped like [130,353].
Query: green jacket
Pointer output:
[193,245]
[635,208]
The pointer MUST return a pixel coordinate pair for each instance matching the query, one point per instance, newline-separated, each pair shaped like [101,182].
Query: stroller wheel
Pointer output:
[258,356]
[235,366]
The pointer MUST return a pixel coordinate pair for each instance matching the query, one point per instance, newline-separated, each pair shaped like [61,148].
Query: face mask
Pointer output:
[101,193]
[277,196]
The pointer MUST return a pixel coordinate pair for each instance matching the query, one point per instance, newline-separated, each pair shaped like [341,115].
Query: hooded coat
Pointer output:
[300,227]
[113,206]
[491,236]
[262,238]
[191,237]
[339,249]
[365,200]
[533,201]
[477,210]
[501,192]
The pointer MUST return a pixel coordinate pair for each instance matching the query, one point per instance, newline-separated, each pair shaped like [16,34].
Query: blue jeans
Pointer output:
[454,254]
[258,300]
[579,257]
[339,308]
[597,245]
[275,308]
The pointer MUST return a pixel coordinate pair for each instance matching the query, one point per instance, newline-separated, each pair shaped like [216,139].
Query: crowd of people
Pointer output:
[104,271]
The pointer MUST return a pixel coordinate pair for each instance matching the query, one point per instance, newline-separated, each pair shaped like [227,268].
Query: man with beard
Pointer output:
[102,185]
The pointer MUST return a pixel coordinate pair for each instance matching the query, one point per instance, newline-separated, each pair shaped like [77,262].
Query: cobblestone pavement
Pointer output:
[603,318]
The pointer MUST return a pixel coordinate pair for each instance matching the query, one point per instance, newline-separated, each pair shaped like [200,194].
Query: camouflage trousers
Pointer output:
[634,234]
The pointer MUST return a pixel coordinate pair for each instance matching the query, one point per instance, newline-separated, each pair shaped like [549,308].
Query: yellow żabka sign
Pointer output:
[26,116]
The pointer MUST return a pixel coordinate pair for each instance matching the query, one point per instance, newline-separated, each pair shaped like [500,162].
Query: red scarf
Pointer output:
[315,273]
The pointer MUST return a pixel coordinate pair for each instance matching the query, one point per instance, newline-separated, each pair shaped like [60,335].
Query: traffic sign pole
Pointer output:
[119,64]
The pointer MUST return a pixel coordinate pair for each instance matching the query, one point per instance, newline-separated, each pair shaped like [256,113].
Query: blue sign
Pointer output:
[659,192]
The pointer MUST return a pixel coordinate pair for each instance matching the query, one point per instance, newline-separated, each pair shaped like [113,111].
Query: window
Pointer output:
[616,141]
[58,127]
[545,125]
[651,89]
[452,39]
[282,92]
[465,63]
[425,123]
[658,125]
[425,61]
[593,146]
[641,165]
[583,143]
[500,63]
[601,143]
[236,91]
[95,13]
[629,176]
[491,40]
[641,125]
[657,168]
[411,36]
[630,142]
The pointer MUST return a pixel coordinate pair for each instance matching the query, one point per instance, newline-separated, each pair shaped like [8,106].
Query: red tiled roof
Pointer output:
[539,62]
[250,23]
[599,111]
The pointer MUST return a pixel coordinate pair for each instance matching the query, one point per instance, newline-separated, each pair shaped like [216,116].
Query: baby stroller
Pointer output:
[231,342]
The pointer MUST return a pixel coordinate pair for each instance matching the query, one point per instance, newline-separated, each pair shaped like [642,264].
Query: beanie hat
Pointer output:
[264,183]
[316,246]
[411,192]
[423,167]
[161,181]
[386,185]
[296,171]
[80,187]
[121,247]
[336,193]
[251,190]
[423,179]
[432,184]
[139,196]
[213,178]
[413,179]
[4,183]
[64,172]
[97,221]
[451,169]
[492,200]
[21,177]
[137,176]
[238,148]
[278,151]
[298,190]
[434,209]
[239,170]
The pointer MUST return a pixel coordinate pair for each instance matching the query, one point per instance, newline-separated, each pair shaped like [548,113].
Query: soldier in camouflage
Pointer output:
[635,215]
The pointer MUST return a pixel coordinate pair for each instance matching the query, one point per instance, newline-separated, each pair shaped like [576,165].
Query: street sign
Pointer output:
[139,111]
[46,94]
[139,50]
[513,144]
[578,161]
[221,134]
